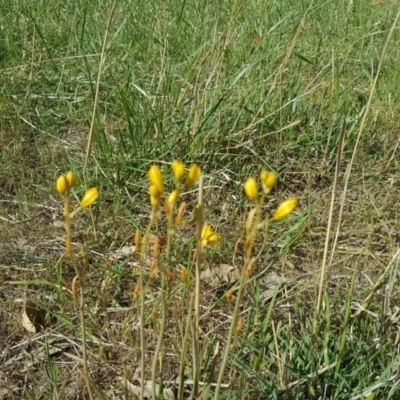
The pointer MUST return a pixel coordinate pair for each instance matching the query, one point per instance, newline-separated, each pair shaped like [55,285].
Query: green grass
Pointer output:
[235,87]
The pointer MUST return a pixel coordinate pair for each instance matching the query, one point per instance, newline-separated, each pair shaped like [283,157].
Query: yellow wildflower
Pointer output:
[179,170]
[193,175]
[251,188]
[62,184]
[209,236]
[284,209]
[268,180]
[71,179]
[156,178]
[89,197]
[173,197]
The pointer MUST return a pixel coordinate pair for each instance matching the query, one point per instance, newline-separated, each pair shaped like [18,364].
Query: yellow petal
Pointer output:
[179,170]
[62,184]
[173,197]
[153,190]
[268,179]
[90,197]
[71,178]
[284,209]
[251,188]
[214,238]
[156,178]
[206,232]
[193,175]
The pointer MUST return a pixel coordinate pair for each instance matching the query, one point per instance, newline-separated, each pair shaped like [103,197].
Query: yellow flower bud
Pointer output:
[179,170]
[153,190]
[173,197]
[209,236]
[205,234]
[89,197]
[284,209]
[193,175]
[269,180]
[251,188]
[71,178]
[213,238]
[62,184]
[156,178]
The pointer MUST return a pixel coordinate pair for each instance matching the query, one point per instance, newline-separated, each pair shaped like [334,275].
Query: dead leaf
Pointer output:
[123,252]
[269,283]
[221,274]
[33,317]
[23,245]
[168,394]
[158,240]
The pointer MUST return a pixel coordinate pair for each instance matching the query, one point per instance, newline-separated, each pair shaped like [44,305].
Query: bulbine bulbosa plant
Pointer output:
[173,209]
[64,185]
[254,222]
[162,262]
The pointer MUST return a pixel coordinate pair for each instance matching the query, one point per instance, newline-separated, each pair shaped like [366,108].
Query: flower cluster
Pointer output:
[156,188]
[268,181]
[66,182]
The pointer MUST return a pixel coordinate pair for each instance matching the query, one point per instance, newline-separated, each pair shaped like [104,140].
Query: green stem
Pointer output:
[242,285]
[141,312]
[67,216]
[164,311]
[346,321]
[184,350]
[196,331]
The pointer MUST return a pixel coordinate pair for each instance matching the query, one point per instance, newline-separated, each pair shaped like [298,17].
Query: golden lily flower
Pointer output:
[285,209]
[89,197]
[251,188]
[193,175]
[173,197]
[153,190]
[209,236]
[71,179]
[268,180]
[179,170]
[62,184]
[156,178]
